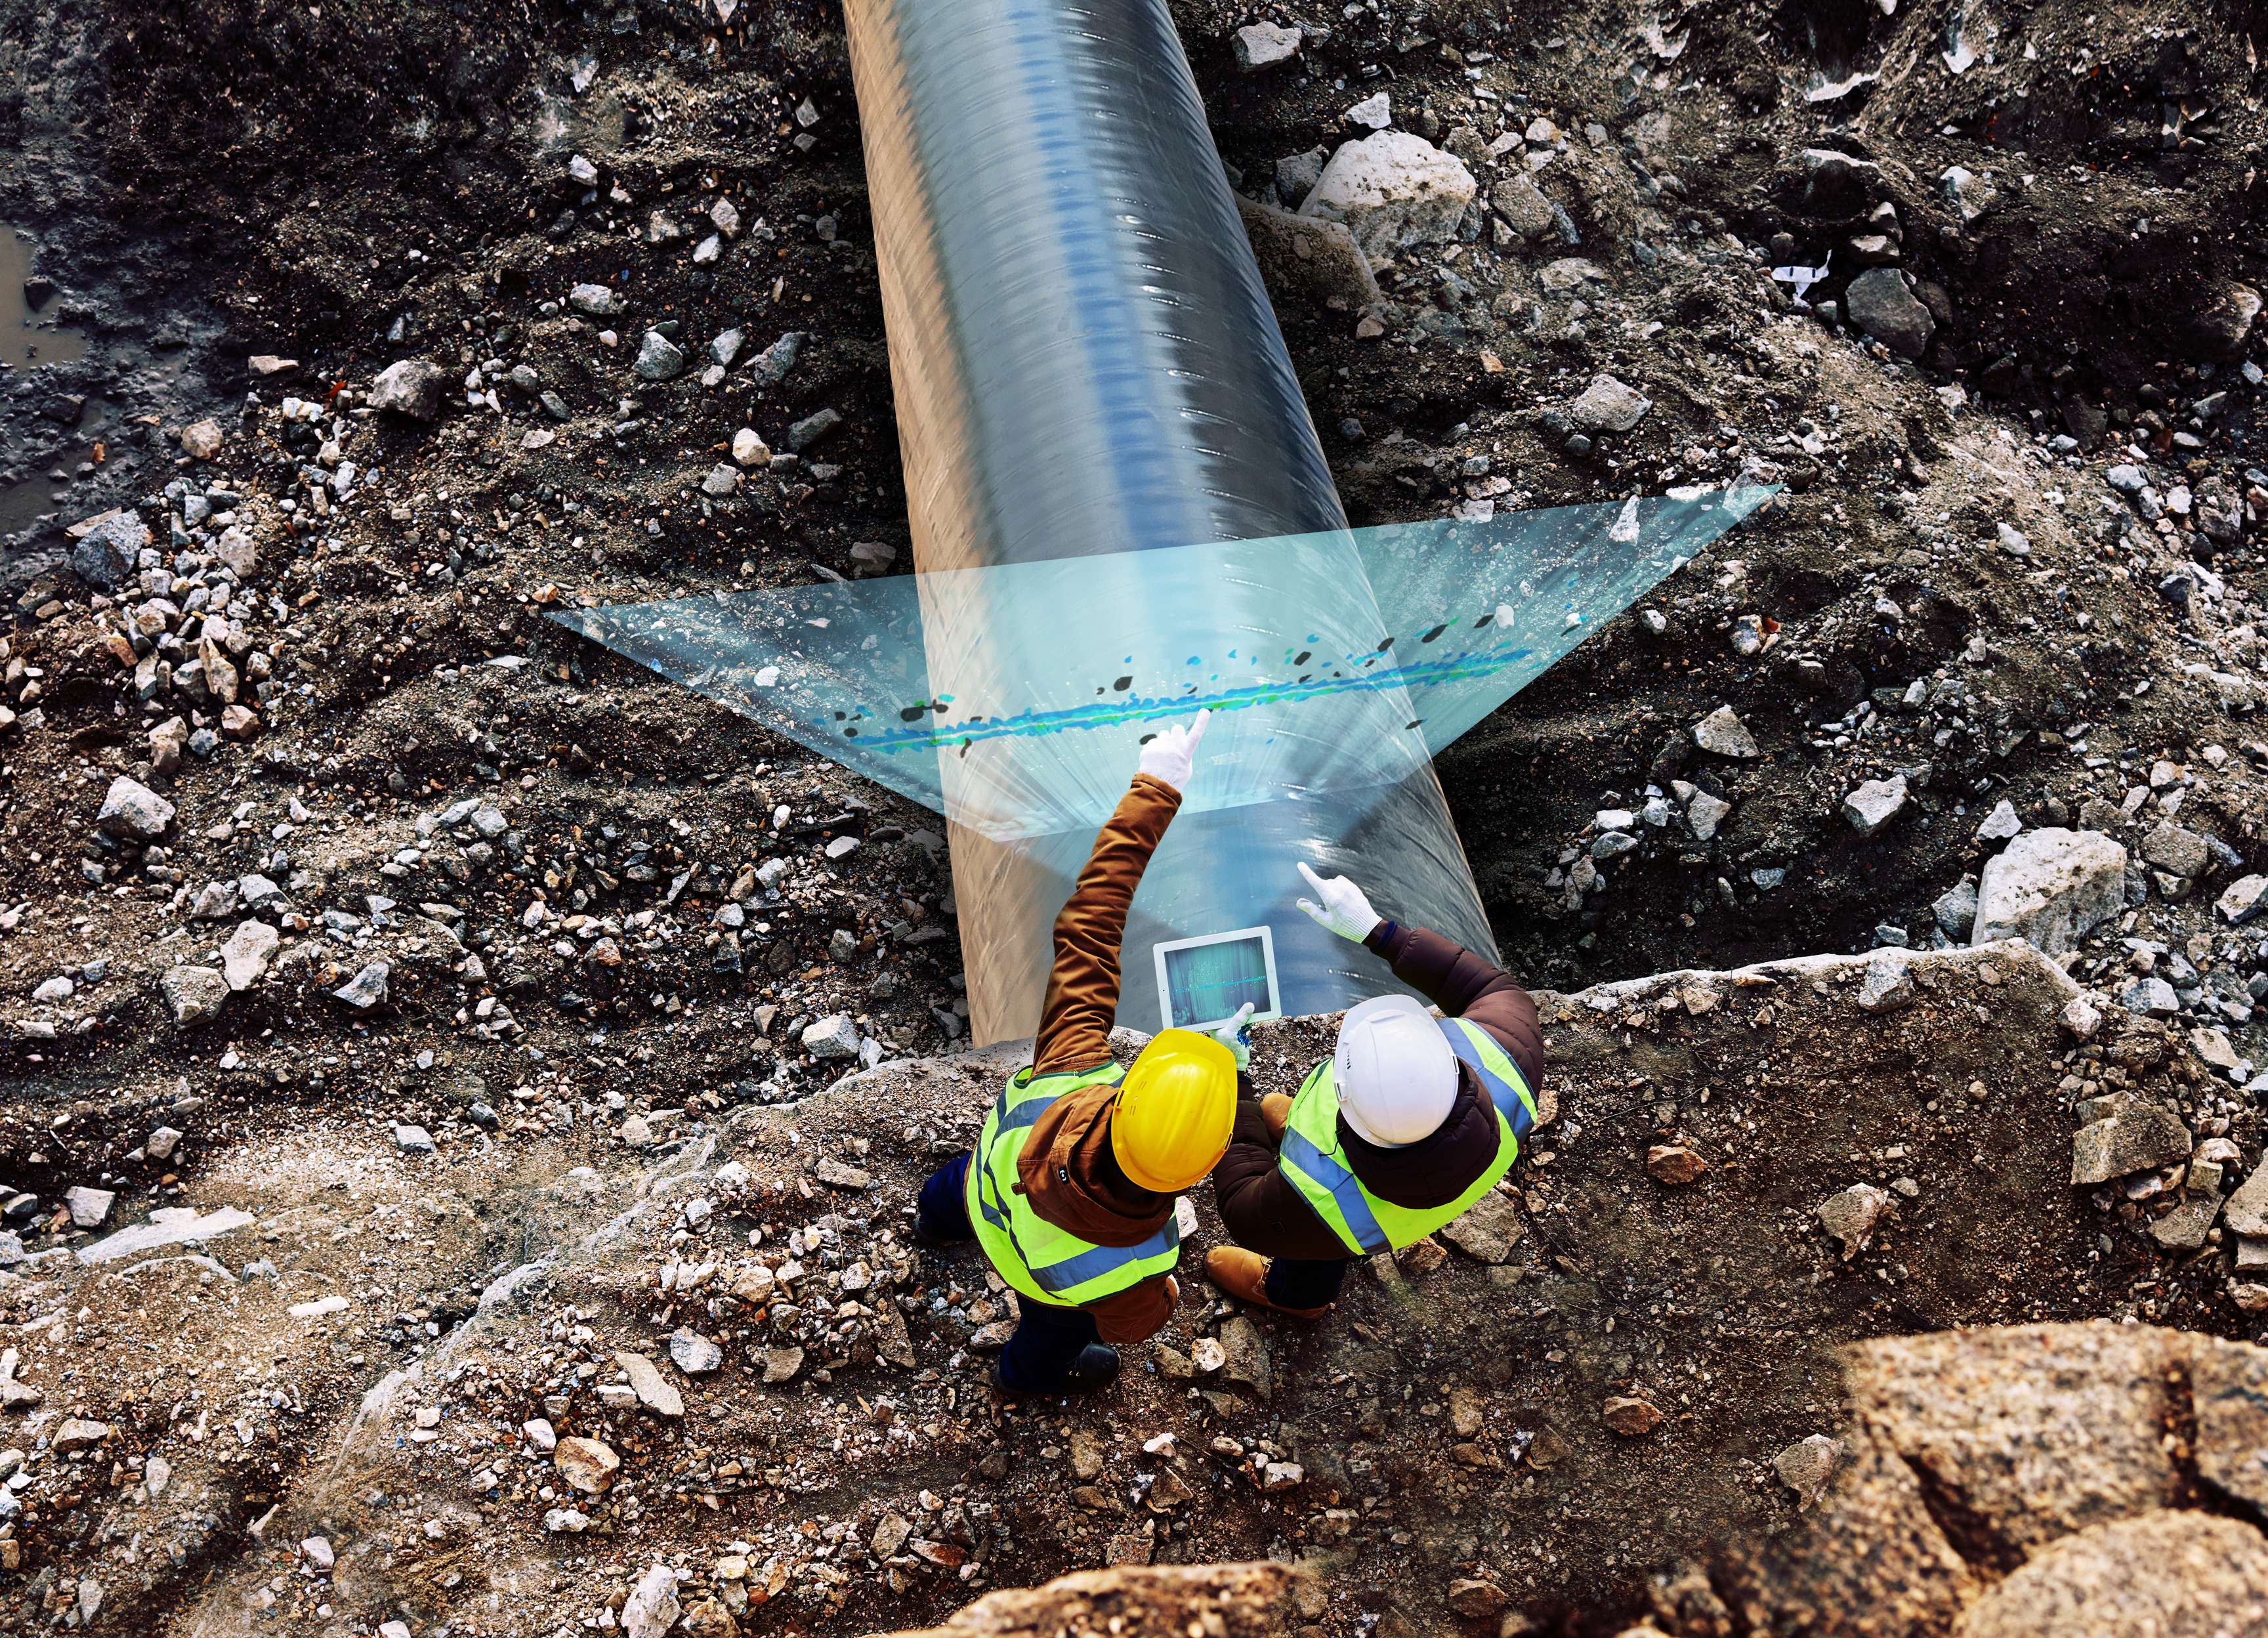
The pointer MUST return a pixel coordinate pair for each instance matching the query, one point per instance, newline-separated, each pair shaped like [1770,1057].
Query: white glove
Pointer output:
[1343,910]
[1170,756]
[1236,1036]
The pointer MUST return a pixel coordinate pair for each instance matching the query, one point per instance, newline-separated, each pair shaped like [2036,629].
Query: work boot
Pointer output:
[1095,1368]
[1244,1275]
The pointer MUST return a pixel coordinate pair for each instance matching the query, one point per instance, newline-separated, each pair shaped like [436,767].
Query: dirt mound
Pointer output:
[1590,1375]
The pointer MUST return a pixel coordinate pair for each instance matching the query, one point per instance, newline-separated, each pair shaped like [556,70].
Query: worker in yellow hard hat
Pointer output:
[1071,1189]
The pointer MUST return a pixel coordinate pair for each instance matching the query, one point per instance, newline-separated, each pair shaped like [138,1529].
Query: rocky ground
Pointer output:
[339,887]
[495,1380]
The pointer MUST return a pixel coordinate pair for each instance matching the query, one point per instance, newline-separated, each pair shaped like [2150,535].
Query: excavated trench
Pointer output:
[1449,1422]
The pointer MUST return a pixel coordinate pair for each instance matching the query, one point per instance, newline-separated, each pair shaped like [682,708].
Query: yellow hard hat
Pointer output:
[1176,1110]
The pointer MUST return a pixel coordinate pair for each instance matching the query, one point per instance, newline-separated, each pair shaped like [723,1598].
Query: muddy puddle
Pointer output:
[45,496]
[32,499]
[25,340]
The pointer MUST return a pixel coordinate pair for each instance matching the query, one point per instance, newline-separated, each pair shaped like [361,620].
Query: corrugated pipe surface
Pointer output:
[1086,363]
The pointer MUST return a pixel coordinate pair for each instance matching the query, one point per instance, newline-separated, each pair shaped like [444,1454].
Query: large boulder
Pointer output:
[2167,1575]
[1879,303]
[1393,189]
[1226,1600]
[2050,888]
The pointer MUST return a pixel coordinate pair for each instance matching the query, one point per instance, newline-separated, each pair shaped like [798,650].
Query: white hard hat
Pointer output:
[1395,1073]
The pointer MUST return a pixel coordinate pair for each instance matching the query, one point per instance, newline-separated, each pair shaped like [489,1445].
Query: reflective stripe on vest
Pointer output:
[1040,1260]
[1364,1223]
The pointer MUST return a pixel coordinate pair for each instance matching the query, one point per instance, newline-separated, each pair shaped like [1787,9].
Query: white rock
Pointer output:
[319,1554]
[693,1354]
[1704,813]
[750,448]
[2240,901]
[1264,46]
[2001,824]
[194,995]
[132,812]
[2050,887]
[654,1391]
[168,1225]
[1722,733]
[248,954]
[1393,189]
[412,388]
[1376,112]
[1876,803]
[1607,405]
[599,301]
[652,1608]
[833,1037]
[366,989]
[1887,987]
[88,1207]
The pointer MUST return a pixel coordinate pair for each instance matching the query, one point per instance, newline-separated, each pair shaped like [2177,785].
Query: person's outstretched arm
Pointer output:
[1082,1000]
[1461,984]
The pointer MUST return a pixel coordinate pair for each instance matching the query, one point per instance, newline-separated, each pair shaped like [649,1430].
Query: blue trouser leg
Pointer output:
[943,1213]
[1046,1343]
[1295,1283]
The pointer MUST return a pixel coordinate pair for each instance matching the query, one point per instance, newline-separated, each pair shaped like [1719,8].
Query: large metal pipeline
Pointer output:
[1085,365]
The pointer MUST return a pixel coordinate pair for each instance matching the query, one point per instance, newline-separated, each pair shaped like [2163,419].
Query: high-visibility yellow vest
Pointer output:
[1043,1263]
[1313,1157]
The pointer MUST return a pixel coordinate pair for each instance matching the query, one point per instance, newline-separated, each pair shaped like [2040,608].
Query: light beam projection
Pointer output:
[1012,699]
[1091,387]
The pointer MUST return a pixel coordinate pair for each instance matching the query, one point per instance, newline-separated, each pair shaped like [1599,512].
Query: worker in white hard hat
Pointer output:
[1410,1120]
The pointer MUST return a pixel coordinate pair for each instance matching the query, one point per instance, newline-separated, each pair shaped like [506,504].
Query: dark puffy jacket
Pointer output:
[1263,1210]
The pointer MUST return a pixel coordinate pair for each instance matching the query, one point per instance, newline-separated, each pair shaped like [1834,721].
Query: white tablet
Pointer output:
[1205,982]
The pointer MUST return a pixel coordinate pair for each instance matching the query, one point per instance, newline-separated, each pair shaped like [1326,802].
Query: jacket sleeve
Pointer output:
[1464,986]
[1135,1313]
[1082,1000]
[1261,1209]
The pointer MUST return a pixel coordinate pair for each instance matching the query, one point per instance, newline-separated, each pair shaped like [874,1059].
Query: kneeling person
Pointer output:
[1409,1123]
[1071,1189]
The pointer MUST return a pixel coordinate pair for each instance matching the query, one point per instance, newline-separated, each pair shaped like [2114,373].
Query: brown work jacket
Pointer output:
[1067,1171]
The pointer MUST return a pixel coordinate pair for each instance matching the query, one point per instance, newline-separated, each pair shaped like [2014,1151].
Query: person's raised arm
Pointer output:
[1082,1000]
[1460,982]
